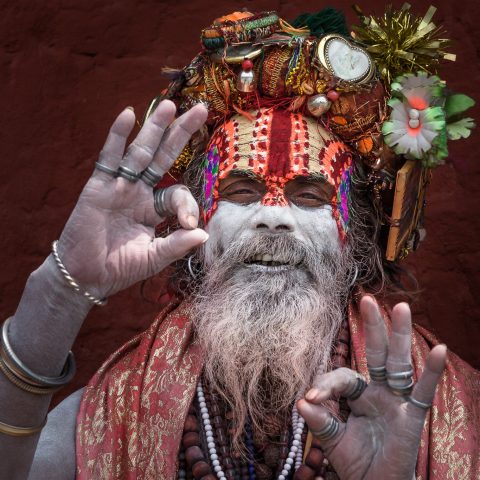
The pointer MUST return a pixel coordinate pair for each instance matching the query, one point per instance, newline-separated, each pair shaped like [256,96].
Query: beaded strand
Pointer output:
[208,432]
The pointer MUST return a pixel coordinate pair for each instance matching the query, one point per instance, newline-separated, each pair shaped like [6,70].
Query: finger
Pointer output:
[424,390]
[376,342]
[399,349]
[175,246]
[141,151]
[319,420]
[112,151]
[177,136]
[341,382]
[178,201]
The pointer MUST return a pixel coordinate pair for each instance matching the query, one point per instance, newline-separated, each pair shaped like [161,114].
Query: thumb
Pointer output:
[176,245]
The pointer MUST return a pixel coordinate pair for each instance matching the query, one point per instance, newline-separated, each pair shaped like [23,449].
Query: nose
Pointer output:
[273,219]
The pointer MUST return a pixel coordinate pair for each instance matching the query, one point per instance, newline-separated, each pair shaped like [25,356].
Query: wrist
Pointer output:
[71,282]
[47,320]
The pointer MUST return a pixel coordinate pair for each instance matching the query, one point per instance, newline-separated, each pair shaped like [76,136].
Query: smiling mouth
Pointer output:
[270,261]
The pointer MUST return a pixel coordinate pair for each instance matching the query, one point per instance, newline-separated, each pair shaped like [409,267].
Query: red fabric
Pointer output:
[132,414]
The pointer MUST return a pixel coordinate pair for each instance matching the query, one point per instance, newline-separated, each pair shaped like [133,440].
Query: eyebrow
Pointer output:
[311,177]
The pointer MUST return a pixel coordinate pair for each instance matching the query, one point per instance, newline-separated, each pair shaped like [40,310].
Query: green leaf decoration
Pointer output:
[457,103]
[460,129]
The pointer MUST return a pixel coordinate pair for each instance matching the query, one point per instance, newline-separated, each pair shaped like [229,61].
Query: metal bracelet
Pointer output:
[15,431]
[358,388]
[159,202]
[104,168]
[329,431]
[23,373]
[97,301]
[23,385]
[378,374]
[150,177]
[419,404]
[128,173]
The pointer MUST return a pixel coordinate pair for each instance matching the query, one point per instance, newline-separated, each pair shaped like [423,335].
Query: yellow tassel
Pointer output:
[297,32]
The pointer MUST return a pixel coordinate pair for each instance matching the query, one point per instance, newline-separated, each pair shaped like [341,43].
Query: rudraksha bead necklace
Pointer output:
[223,466]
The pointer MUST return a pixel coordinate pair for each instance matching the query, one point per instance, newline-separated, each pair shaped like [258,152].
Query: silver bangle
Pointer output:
[71,281]
[23,373]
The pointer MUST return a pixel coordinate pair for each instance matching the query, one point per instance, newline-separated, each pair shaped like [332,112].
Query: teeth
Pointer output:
[270,259]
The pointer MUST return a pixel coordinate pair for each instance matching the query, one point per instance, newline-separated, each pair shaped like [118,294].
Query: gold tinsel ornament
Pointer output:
[401,42]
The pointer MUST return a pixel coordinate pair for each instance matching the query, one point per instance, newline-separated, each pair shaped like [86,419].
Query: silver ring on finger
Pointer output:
[128,174]
[150,177]
[357,389]
[419,404]
[405,375]
[159,202]
[402,390]
[401,383]
[378,374]
[328,431]
[104,168]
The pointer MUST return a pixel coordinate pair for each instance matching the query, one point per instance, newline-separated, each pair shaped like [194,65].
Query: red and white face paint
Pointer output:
[277,147]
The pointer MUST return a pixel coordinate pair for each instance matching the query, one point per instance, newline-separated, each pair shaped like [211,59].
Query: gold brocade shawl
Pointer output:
[131,418]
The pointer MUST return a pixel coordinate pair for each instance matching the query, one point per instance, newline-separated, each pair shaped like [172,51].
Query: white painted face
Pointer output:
[234,221]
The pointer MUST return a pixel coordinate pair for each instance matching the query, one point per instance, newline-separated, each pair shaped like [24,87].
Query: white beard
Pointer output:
[267,334]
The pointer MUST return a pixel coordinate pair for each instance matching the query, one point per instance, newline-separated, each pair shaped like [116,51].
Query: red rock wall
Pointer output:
[68,67]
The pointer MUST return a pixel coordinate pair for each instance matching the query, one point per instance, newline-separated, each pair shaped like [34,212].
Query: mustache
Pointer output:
[282,248]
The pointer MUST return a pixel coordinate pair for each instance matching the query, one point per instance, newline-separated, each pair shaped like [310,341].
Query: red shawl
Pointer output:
[133,410]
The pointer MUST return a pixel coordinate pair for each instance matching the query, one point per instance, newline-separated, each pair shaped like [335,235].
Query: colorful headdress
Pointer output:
[372,94]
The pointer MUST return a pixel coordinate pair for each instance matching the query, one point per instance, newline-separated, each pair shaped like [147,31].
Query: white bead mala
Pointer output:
[295,455]
[209,432]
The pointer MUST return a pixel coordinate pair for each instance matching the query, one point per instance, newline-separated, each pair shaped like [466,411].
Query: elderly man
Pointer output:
[252,370]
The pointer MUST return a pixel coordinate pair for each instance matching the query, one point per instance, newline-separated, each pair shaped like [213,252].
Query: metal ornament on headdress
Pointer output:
[344,60]
[246,79]
[237,53]
[318,105]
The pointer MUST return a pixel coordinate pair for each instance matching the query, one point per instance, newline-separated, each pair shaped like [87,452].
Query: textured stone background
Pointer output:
[68,67]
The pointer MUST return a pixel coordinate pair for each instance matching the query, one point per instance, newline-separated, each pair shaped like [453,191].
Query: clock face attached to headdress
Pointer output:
[344,60]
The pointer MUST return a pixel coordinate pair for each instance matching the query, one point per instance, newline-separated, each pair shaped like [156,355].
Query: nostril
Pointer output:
[283,228]
[262,226]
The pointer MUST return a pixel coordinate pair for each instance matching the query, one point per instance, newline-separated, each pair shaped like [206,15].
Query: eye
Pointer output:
[312,194]
[241,190]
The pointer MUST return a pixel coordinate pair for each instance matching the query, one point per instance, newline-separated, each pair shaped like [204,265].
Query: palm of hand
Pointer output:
[109,240]
[107,229]
[381,436]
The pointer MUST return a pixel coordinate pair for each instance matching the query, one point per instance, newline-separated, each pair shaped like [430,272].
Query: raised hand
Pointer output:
[381,437]
[108,242]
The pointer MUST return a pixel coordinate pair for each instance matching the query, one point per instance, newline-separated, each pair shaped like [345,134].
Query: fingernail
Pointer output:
[192,221]
[130,108]
[311,394]
[206,237]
